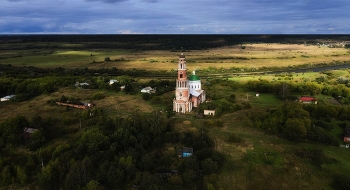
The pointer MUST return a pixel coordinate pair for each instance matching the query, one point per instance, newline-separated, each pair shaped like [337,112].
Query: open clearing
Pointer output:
[252,56]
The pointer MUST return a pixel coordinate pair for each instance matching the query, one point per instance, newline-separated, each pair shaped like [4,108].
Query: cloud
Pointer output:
[128,32]
[15,0]
[108,1]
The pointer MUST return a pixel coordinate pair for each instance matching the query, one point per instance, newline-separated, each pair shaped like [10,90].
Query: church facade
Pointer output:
[188,93]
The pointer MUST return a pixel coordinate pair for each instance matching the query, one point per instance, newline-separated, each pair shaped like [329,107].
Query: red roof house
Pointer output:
[308,100]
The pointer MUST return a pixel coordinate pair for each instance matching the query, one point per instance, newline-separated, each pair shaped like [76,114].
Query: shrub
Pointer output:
[234,138]
[97,96]
[146,96]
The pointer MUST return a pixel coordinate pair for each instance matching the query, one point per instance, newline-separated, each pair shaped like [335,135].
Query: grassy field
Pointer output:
[296,77]
[113,103]
[253,56]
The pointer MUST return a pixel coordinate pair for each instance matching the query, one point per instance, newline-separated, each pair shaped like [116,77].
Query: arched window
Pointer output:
[180,75]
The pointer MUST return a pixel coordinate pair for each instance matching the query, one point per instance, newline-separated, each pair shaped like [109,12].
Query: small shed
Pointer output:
[209,112]
[185,152]
[27,132]
[166,172]
[346,135]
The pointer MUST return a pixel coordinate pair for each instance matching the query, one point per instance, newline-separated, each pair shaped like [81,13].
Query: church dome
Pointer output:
[194,78]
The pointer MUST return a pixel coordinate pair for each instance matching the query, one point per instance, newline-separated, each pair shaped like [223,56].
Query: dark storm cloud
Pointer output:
[117,1]
[175,17]
[108,1]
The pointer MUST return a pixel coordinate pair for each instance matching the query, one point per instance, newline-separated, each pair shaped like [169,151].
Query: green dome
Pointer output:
[193,78]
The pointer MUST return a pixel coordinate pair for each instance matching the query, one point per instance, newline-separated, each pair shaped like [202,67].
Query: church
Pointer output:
[188,93]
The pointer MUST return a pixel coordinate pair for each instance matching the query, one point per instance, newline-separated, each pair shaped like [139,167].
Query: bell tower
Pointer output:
[182,102]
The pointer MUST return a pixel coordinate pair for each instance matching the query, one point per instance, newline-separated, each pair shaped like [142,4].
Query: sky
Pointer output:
[174,17]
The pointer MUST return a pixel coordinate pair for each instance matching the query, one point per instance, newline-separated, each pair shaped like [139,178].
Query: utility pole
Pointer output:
[318,140]
[202,132]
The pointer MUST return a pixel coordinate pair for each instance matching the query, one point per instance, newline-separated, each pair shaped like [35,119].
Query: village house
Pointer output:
[83,84]
[112,81]
[308,100]
[7,98]
[346,135]
[148,90]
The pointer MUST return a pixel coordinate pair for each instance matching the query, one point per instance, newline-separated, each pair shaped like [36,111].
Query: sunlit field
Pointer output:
[241,56]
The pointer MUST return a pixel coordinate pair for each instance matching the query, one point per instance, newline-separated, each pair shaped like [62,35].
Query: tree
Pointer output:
[294,129]
[80,174]
[22,176]
[7,175]
[284,91]
[37,139]
[232,98]
[93,139]
[92,185]
[107,59]
[146,96]
[209,166]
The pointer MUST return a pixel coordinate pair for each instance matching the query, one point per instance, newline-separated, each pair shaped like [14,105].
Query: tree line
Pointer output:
[298,122]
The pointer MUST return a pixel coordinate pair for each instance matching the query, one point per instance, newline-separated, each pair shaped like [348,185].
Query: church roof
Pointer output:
[195,93]
[193,78]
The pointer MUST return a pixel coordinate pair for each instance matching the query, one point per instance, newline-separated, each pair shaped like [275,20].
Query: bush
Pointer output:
[146,96]
[97,96]
[234,138]
[107,59]
[341,182]
[316,156]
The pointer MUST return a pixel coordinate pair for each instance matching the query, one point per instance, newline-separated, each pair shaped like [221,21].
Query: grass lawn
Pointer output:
[264,100]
